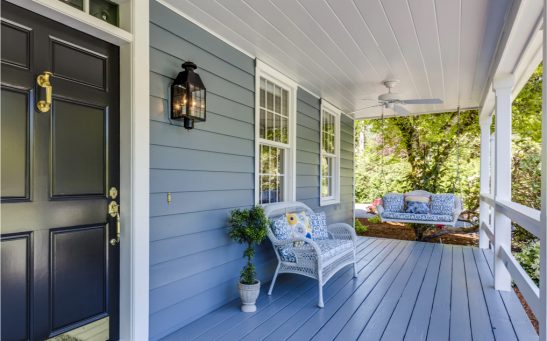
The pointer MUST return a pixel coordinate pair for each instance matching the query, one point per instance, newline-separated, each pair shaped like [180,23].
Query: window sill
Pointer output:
[328,201]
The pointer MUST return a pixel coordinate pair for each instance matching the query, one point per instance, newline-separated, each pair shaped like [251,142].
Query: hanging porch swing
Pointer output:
[418,206]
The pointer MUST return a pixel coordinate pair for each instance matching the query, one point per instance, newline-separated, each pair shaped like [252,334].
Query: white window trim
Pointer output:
[335,198]
[265,71]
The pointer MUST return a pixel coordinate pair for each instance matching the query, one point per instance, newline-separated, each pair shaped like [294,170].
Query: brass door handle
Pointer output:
[43,82]
[114,212]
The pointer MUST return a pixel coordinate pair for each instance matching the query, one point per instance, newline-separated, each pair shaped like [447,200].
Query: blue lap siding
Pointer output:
[209,170]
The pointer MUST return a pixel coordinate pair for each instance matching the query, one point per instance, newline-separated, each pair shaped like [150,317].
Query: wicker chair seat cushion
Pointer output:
[330,249]
[442,204]
[318,223]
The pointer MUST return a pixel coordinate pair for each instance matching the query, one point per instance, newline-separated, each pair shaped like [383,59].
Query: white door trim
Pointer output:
[133,40]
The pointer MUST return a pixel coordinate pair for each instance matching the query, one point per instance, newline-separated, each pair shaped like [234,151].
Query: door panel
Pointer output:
[78,168]
[16,274]
[15,143]
[59,271]
[78,272]
[67,59]
[16,44]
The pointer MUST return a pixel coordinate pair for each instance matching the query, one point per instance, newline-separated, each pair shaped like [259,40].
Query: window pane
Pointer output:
[269,95]
[262,124]
[269,126]
[325,187]
[277,128]
[284,130]
[262,92]
[285,102]
[277,104]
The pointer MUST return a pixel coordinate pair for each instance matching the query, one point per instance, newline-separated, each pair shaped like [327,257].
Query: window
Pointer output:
[275,136]
[330,154]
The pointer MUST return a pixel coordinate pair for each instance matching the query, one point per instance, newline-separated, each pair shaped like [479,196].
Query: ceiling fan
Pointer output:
[391,100]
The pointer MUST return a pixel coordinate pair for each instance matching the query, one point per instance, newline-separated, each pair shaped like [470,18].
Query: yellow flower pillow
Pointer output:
[299,224]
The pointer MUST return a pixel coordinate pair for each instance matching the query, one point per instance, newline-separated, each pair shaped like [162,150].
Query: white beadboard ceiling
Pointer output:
[342,50]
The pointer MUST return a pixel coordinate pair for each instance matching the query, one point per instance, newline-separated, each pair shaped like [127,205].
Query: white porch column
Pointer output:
[484,241]
[542,313]
[502,178]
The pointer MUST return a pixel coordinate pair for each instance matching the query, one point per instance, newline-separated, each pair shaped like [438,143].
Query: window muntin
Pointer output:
[330,155]
[275,136]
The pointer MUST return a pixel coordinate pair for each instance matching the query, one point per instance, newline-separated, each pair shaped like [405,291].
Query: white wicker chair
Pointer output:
[311,259]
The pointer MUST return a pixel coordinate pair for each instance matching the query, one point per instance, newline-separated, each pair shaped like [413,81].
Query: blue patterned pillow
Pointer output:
[394,202]
[442,204]
[417,207]
[318,226]
[281,228]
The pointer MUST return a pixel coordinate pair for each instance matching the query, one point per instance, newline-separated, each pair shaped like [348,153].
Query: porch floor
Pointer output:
[404,290]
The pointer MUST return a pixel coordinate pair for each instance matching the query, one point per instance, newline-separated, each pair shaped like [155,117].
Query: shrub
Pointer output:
[359,227]
[248,226]
[375,220]
[528,257]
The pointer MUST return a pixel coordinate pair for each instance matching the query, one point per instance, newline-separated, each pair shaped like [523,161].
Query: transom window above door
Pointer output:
[275,142]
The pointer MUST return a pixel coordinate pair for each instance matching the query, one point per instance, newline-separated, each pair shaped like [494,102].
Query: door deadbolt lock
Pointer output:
[114,212]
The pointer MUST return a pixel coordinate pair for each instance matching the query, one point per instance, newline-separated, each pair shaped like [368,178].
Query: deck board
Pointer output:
[404,290]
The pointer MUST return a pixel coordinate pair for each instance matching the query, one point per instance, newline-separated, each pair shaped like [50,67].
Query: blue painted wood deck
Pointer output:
[404,291]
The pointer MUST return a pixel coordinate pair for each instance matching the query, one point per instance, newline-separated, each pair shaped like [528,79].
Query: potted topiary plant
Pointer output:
[248,227]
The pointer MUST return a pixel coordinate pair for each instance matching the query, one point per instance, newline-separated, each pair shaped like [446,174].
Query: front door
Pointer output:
[59,177]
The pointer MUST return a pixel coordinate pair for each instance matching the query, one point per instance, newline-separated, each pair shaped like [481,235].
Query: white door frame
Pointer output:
[133,40]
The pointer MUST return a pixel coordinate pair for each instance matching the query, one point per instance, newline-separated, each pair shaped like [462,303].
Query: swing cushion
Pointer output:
[394,202]
[442,204]
[418,217]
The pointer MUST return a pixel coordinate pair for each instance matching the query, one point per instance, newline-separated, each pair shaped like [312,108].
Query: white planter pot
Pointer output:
[249,294]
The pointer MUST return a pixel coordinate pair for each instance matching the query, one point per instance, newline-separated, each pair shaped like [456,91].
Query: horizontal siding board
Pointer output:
[175,225]
[217,103]
[165,157]
[307,181]
[169,66]
[163,181]
[307,169]
[303,108]
[166,41]
[178,315]
[174,136]
[307,145]
[308,98]
[185,288]
[307,121]
[198,201]
[307,157]
[215,123]
[163,17]
[307,193]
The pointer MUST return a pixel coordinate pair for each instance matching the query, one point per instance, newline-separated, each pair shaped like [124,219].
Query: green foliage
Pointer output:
[528,257]
[248,226]
[375,220]
[359,227]
[420,152]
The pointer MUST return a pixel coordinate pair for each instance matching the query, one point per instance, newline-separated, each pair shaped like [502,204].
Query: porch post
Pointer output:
[542,313]
[502,179]
[484,241]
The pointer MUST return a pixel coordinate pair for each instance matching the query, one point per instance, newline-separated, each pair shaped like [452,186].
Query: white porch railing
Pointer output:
[498,211]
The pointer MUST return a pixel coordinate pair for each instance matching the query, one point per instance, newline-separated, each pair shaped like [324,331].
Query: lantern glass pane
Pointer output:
[178,101]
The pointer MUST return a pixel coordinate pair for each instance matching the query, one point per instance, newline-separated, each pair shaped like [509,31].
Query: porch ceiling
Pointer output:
[342,50]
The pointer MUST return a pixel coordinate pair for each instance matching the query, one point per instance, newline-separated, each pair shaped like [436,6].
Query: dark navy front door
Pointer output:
[59,161]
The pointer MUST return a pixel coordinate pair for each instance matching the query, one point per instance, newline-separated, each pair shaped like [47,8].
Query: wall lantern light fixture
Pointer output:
[188,96]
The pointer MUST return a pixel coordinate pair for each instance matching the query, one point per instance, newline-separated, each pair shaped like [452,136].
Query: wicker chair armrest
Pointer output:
[342,231]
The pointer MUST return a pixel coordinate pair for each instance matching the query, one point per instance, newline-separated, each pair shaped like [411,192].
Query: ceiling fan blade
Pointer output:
[373,106]
[400,110]
[422,101]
